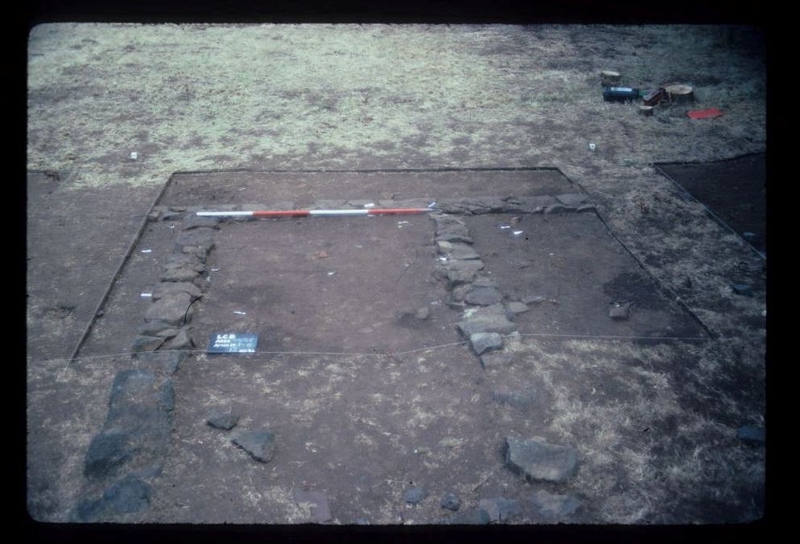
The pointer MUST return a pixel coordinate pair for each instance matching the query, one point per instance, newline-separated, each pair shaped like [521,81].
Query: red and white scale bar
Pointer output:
[311,213]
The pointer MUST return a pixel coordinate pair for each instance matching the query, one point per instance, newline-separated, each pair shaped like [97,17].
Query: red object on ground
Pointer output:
[704,114]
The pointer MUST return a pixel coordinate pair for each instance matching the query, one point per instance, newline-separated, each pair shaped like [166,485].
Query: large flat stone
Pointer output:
[168,288]
[483,296]
[260,444]
[202,237]
[194,221]
[500,509]
[107,452]
[494,359]
[473,516]
[127,496]
[173,309]
[462,252]
[553,505]
[482,342]
[535,459]
[486,324]
[179,274]
[573,200]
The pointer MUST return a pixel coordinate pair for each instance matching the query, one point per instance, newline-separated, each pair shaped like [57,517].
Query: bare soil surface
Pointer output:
[734,190]
[366,398]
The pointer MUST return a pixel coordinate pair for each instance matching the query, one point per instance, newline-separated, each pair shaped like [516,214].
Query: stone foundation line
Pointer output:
[129,450]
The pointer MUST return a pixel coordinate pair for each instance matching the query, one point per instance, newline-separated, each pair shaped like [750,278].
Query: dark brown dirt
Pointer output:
[734,190]
[368,400]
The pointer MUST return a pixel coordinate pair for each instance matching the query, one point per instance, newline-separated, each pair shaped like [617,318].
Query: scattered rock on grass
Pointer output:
[172,309]
[483,296]
[260,444]
[127,496]
[146,343]
[742,289]
[553,505]
[535,459]
[495,359]
[485,341]
[752,434]
[517,307]
[415,495]
[473,516]
[450,502]
[223,420]
[620,311]
[107,452]
[500,509]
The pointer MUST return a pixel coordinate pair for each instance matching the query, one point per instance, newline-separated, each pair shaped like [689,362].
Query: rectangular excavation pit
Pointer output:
[733,190]
[326,284]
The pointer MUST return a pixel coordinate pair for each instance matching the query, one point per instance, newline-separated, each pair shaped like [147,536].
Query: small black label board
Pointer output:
[232,343]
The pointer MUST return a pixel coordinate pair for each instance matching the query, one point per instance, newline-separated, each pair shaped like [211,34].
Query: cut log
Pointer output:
[646,110]
[609,78]
[680,94]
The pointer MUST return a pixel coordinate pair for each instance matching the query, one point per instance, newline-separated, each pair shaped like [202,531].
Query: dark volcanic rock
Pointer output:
[552,505]
[195,221]
[165,361]
[620,311]
[146,343]
[223,420]
[538,460]
[462,252]
[168,288]
[127,496]
[107,452]
[459,277]
[495,359]
[517,307]
[181,340]
[451,502]
[486,319]
[179,274]
[752,434]
[202,238]
[483,296]
[473,516]
[482,342]
[572,200]
[500,509]
[415,495]
[259,444]
[172,309]
[742,289]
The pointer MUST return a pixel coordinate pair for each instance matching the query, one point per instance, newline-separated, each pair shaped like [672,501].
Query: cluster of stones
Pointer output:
[487,323]
[165,335]
[536,461]
[486,318]
[127,453]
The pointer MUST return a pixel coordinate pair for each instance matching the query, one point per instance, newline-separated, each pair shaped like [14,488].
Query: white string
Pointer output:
[384,354]
[612,337]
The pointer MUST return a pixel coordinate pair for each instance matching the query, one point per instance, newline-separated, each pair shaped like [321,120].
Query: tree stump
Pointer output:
[646,110]
[680,94]
[609,78]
